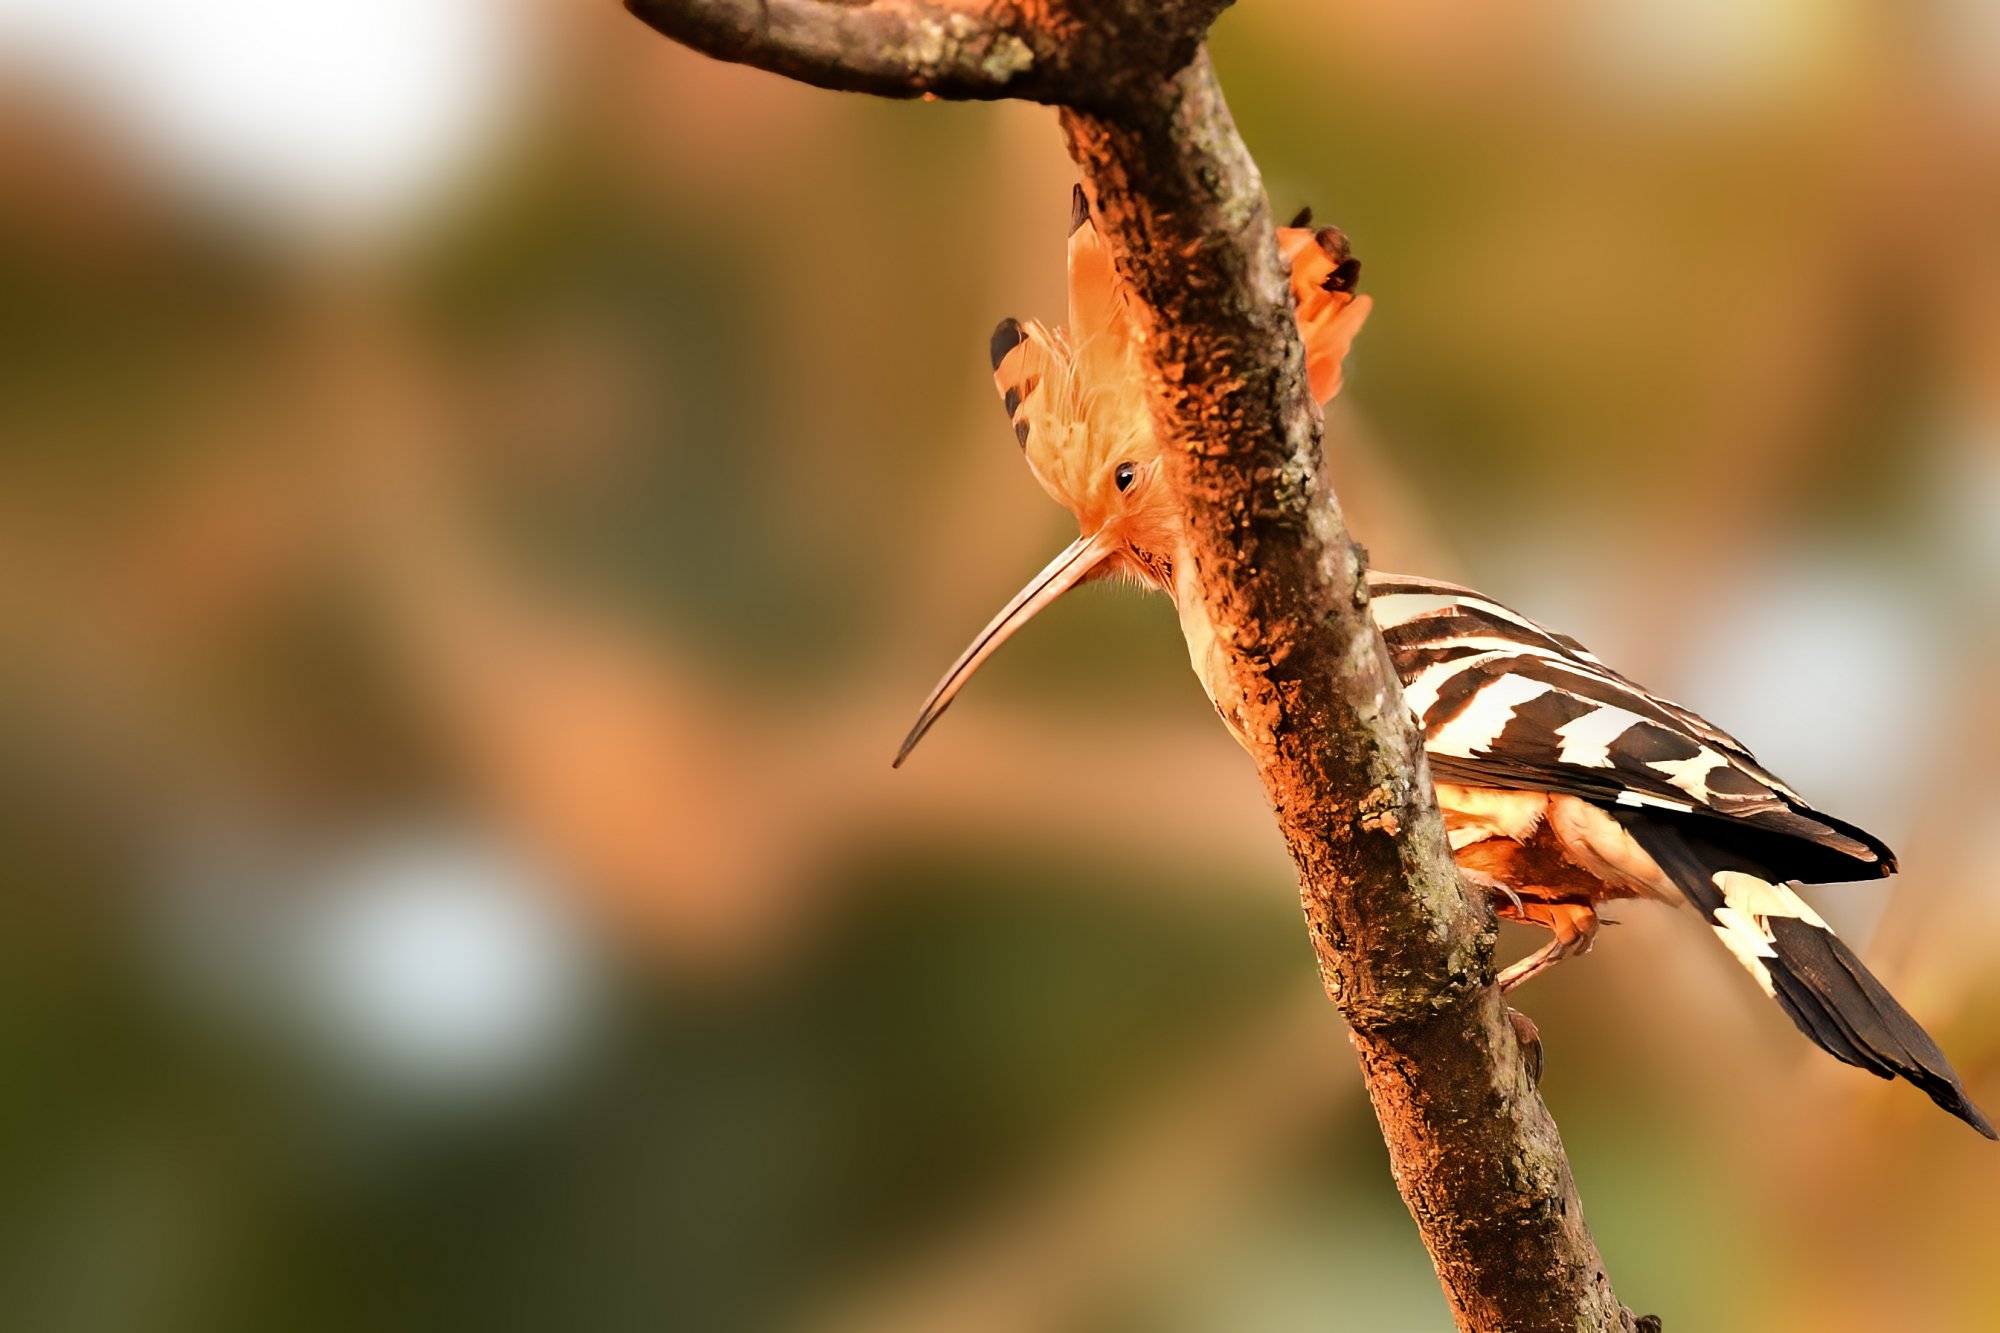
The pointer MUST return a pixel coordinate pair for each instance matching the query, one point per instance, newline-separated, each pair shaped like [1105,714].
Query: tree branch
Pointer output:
[1077,52]
[1402,948]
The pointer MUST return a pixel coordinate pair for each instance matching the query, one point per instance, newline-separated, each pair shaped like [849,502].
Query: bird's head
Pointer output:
[1076,400]
[1088,439]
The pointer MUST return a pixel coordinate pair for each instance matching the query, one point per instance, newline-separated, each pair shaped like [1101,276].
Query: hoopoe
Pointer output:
[1563,784]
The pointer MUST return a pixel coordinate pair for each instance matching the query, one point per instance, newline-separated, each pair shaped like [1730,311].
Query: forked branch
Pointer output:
[1403,949]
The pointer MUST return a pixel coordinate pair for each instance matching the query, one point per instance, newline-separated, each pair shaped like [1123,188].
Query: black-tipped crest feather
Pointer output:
[1007,335]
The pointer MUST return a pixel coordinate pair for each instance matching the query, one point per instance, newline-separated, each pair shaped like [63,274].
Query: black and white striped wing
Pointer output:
[1506,703]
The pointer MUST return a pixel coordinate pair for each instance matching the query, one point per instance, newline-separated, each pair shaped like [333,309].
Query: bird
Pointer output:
[1563,784]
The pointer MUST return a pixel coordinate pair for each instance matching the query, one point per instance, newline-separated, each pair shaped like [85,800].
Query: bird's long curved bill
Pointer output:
[1078,560]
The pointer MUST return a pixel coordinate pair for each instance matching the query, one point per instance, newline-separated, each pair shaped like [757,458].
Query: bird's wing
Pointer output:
[1506,703]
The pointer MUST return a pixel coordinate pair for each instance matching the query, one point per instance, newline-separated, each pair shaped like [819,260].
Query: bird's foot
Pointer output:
[1518,974]
[1575,927]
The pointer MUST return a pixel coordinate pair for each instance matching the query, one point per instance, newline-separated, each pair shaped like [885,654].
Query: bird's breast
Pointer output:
[1206,653]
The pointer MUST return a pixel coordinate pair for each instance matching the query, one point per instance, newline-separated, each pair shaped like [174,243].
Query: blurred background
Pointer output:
[484,491]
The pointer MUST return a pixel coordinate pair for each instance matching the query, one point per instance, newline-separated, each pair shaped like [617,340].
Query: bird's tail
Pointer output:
[1803,965]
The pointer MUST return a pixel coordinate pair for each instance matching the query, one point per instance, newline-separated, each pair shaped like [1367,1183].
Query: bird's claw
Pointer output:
[1529,1037]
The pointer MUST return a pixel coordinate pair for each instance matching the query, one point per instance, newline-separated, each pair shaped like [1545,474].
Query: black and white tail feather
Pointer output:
[1799,962]
[1506,704]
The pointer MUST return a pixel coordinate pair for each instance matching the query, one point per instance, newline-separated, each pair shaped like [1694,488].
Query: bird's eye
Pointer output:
[1124,475]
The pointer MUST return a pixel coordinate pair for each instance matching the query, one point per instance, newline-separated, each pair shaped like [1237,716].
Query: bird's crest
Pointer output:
[1075,395]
